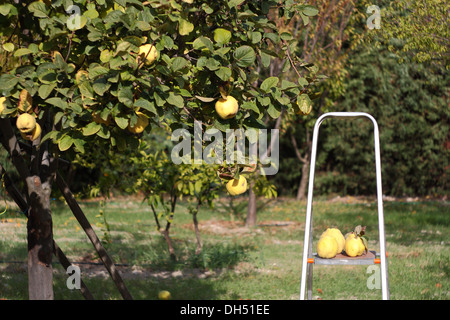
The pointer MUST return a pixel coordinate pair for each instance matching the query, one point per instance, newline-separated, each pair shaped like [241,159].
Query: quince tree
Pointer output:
[93,69]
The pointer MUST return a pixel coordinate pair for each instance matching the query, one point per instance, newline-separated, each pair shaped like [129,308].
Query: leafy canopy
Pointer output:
[78,59]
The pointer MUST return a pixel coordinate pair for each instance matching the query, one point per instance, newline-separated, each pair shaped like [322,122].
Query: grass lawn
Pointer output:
[236,262]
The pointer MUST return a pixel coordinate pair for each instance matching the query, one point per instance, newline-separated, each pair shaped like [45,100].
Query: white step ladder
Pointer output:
[310,258]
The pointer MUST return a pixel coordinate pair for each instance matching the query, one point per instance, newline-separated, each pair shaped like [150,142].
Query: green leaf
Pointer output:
[205,99]
[255,37]
[65,143]
[269,83]
[45,90]
[91,129]
[8,81]
[57,102]
[265,59]
[22,52]
[244,56]
[185,27]
[304,104]
[125,96]
[38,9]
[223,73]
[146,105]
[104,132]
[175,100]
[86,89]
[222,36]
[121,122]
[48,77]
[304,18]
[8,47]
[5,9]
[96,71]
[250,105]
[79,145]
[203,43]
[212,64]
[274,111]
[234,3]
[310,11]
[286,36]
[178,63]
[143,26]
[101,86]
[285,85]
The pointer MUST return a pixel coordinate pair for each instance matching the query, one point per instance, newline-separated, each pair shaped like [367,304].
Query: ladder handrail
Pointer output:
[383,260]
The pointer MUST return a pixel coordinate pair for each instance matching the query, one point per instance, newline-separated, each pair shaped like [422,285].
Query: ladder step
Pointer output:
[342,259]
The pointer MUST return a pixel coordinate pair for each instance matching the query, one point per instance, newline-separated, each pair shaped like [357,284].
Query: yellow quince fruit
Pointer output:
[141,124]
[2,104]
[356,243]
[327,247]
[164,295]
[147,52]
[25,123]
[227,108]
[237,186]
[337,234]
[34,134]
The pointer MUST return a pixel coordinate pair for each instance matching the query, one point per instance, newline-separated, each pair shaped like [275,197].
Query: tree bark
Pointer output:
[39,225]
[40,243]
[251,208]
[198,250]
[301,192]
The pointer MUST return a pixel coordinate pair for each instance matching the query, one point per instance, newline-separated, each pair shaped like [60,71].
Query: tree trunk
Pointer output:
[301,192]
[40,244]
[38,178]
[198,250]
[251,208]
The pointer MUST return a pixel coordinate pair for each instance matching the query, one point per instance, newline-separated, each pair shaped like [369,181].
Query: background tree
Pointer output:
[327,39]
[409,101]
[422,26]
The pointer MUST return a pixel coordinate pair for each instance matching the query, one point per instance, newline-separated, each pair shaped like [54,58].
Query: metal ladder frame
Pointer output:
[308,258]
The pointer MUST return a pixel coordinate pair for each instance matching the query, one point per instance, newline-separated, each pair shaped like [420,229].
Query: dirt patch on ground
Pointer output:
[223,227]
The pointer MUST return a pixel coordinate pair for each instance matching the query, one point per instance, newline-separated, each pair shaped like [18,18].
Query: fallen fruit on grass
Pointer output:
[336,234]
[227,108]
[356,243]
[25,123]
[237,186]
[327,247]
[164,295]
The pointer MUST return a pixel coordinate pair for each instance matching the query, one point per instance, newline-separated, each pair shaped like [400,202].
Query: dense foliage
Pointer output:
[410,103]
